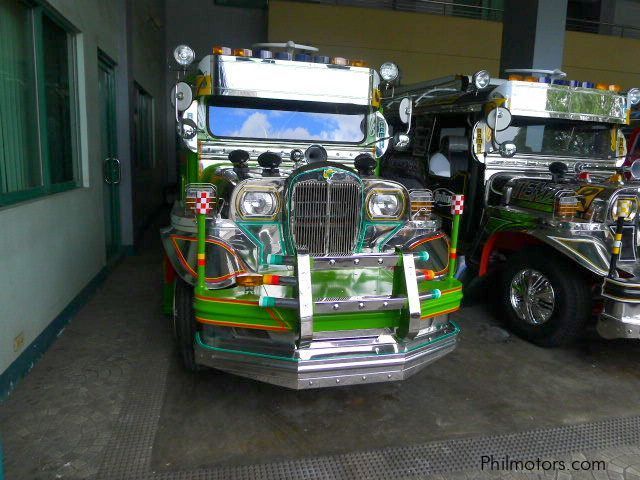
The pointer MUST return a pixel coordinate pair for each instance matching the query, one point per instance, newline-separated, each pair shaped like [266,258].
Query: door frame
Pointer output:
[113,250]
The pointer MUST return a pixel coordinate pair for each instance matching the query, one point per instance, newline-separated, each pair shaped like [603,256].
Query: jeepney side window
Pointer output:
[40,150]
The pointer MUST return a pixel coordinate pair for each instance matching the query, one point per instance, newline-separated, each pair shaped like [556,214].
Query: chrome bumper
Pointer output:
[620,317]
[332,362]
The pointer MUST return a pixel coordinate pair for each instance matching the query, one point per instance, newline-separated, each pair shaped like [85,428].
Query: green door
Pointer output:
[109,155]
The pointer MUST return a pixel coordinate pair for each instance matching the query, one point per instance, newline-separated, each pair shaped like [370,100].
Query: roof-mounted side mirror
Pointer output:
[406,111]
[499,119]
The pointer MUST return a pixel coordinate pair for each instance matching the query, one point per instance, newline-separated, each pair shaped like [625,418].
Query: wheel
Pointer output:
[184,324]
[545,298]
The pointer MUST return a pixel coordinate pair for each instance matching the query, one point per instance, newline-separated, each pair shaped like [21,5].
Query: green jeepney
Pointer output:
[288,260]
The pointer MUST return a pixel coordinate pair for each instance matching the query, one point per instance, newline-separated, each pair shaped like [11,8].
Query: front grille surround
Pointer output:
[325,216]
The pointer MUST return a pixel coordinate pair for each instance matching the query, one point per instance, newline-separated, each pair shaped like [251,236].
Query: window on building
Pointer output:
[143,129]
[38,138]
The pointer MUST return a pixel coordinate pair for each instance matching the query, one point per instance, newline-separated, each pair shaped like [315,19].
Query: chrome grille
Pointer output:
[325,216]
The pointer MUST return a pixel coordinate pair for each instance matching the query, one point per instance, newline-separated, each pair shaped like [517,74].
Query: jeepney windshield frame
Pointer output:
[519,121]
[289,105]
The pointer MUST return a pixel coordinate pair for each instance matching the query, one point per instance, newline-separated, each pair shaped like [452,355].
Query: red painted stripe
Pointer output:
[227,300]
[440,313]
[243,325]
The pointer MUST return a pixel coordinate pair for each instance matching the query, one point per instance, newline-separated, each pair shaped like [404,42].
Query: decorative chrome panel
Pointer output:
[325,216]
[560,101]
[287,80]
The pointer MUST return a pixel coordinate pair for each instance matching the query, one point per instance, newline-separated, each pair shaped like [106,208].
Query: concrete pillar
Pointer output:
[533,34]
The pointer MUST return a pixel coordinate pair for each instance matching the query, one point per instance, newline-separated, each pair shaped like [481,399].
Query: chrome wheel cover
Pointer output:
[532,296]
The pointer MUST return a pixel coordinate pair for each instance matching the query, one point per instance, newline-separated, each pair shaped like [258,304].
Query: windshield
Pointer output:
[559,138]
[313,123]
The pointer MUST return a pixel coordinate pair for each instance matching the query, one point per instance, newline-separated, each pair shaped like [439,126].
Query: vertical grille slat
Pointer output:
[325,216]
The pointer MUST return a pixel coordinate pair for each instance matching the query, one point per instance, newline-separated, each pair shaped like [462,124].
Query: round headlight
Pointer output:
[389,71]
[184,55]
[633,96]
[481,79]
[258,204]
[385,205]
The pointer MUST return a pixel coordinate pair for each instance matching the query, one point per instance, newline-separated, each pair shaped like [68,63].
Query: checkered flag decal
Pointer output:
[457,205]
[203,204]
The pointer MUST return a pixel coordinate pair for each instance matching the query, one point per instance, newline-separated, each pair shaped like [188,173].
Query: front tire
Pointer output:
[184,324]
[545,298]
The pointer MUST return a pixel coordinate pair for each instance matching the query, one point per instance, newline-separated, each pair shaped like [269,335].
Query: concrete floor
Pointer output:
[109,400]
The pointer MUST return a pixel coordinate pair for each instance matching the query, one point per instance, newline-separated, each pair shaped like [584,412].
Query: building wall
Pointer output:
[148,69]
[428,46]
[201,25]
[423,45]
[53,246]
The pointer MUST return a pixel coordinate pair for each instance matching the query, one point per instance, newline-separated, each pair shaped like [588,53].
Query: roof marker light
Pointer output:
[544,80]
[513,77]
[264,54]
[284,56]
[588,85]
[575,83]
[321,59]
[243,52]
[303,57]
[615,88]
[340,61]
[602,86]
[218,50]
[358,63]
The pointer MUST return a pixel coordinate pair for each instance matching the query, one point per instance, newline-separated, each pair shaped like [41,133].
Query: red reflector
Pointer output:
[269,279]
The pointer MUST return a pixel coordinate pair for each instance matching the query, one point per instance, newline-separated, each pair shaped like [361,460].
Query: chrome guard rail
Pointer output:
[405,289]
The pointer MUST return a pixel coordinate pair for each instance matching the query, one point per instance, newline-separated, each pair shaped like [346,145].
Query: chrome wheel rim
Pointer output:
[532,296]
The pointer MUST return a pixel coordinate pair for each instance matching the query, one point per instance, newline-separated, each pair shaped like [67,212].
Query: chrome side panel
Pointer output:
[619,320]
[587,251]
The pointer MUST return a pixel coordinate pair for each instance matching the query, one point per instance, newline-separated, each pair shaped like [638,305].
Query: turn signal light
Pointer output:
[421,204]
[358,63]
[428,274]
[242,52]
[566,206]
[249,280]
[218,50]
[515,77]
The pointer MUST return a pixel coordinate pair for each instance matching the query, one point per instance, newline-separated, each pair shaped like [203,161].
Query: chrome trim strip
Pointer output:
[305,295]
[413,297]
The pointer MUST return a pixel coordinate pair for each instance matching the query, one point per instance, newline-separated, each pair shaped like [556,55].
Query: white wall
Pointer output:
[53,246]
